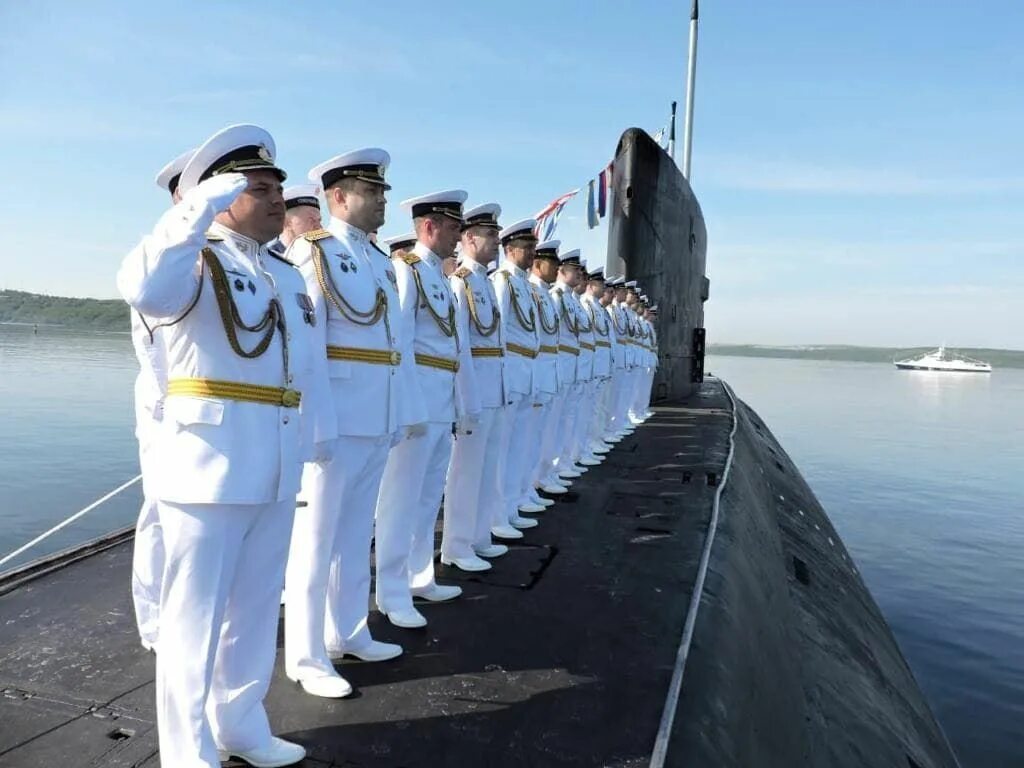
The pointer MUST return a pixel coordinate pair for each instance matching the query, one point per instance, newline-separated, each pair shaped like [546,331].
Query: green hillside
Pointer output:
[85,314]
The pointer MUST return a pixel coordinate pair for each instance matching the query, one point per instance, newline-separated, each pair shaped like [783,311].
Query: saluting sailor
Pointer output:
[150,389]
[370,367]
[473,488]
[518,311]
[410,494]
[543,275]
[301,215]
[601,324]
[229,450]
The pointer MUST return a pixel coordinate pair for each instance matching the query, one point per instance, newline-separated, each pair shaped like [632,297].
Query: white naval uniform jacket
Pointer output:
[511,285]
[546,365]
[619,334]
[654,345]
[633,350]
[211,450]
[568,338]
[585,362]
[484,372]
[600,324]
[368,399]
[444,394]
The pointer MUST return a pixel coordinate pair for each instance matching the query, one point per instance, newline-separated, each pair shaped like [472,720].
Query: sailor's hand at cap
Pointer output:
[220,191]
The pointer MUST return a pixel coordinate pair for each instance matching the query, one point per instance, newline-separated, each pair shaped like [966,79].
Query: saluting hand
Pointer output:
[219,192]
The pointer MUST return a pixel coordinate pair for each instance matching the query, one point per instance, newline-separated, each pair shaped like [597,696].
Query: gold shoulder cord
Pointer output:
[529,324]
[271,321]
[615,319]
[574,327]
[598,329]
[447,326]
[473,314]
[582,324]
[330,290]
[540,313]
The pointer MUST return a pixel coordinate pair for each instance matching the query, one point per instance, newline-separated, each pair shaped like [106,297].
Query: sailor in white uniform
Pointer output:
[544,273]
[400,244]
[569,361]
[584,374]
[621,425]
[546,373]
[354,290]
[228,453]
[635,348]
[413,483]
[618,361]
[150,389]
[473,487]
[651,317]
[601,324]
[301,215]
[518,311]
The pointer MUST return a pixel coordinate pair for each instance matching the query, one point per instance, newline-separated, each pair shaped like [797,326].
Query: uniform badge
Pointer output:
[393,278]
[239,285]
[344,267]
[306,305]
[252,287]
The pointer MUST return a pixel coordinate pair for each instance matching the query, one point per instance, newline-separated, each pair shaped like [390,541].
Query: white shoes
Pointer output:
[523,522]
[437,593]
[570,473]
[469,564]
[493,550]
[278,753]
[408,618]
[324,686]
[506,532]
[554,490]
[529,506]
[589,461]
[545,502]
[374,650]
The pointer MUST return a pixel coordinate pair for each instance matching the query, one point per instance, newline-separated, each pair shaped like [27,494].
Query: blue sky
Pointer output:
[860,165]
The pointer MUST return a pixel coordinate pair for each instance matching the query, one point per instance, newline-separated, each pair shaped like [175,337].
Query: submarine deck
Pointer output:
[562,654]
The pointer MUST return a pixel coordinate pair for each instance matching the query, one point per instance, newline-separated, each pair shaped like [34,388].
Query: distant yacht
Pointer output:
[941,360]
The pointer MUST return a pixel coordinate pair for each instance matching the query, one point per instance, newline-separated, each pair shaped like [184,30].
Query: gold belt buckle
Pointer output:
[394,358]
[291,398]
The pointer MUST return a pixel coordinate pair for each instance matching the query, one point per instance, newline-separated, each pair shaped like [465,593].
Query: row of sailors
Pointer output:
[378,386]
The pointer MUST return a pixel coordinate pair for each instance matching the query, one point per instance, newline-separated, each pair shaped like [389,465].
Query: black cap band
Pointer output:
[295,202]
[249,158]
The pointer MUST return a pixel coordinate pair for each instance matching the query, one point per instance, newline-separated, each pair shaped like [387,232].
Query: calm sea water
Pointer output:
[923,475]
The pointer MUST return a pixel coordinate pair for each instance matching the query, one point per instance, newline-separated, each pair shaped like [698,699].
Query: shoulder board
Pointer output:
[411,258]
[317,234]
[214,238]
[280,257]
[463,272]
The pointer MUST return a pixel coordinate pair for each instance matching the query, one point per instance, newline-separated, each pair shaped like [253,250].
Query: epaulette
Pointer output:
[411,258]
[280,257]
[317,234]
[214,238]
[463,272]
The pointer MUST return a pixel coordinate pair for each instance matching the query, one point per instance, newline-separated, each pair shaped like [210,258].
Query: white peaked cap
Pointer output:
[172,171]
[237,148]
[369,164]
[485,215]
[447,203]
[521,228]
[302,194]
[398,241]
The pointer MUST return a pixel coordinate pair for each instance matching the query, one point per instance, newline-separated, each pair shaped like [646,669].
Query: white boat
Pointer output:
[943,360]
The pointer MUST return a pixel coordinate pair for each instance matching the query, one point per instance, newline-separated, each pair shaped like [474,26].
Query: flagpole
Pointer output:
[691,76]
[672,133]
